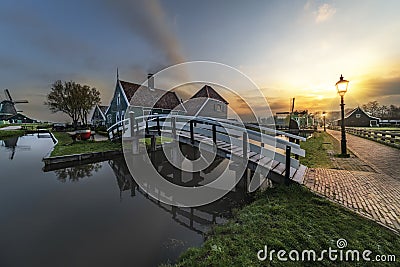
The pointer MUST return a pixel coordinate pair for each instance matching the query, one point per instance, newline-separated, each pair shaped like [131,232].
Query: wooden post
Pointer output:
[214,134]
[287,166]
[297,142]
[245,147]
[135,145]
[132,122]
[191,132]
[147,126]
[153,143]
[173,126]
[158,126]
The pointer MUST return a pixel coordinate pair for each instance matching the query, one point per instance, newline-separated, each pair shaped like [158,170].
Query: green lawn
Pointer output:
[7,134]
[316,150]
[290,217]
[65,146]
[293,218]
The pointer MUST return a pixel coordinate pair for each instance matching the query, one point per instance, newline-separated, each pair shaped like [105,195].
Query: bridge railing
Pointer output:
[263,142]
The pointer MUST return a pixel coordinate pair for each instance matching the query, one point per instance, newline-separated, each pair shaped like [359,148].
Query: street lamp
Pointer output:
[324,117]
[341,87]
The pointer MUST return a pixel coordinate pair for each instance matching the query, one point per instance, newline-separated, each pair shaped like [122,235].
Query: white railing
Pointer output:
[263,142]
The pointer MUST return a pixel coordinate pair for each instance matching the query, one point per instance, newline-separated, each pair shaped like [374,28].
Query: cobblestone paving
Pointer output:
[382,158]
[371,189]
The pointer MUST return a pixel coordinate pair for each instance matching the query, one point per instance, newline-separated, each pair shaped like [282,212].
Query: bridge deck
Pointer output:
[254,159]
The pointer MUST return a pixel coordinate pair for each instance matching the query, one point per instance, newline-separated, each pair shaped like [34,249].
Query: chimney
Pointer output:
[150,81]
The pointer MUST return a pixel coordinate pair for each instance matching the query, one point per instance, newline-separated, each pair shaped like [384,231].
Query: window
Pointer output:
[123,115]
[218,107]
[109,118]
[117,116]
[358,116]
[119,99]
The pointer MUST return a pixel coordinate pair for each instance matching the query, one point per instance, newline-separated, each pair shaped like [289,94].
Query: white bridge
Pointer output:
[263,150]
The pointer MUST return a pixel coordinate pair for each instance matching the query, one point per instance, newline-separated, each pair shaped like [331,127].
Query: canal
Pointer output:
[91,215]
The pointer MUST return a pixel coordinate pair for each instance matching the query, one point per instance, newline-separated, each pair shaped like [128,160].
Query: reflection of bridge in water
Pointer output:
[198,219]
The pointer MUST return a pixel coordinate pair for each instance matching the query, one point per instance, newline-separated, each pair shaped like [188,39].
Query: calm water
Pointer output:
[90,215]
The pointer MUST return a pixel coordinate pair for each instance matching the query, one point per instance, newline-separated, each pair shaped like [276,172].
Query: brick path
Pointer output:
[373,192]
[382,158]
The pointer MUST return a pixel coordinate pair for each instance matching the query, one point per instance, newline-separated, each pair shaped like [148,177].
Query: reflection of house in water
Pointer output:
[197,219]
[12,145]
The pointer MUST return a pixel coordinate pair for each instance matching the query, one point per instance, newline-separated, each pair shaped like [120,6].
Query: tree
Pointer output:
[372,107]
[73,99]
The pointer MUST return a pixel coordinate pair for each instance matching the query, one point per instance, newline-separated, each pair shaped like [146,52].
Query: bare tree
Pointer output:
[73,99]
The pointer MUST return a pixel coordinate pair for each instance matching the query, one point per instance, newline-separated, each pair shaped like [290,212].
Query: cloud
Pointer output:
[324,12]
[148,19]
[379,87]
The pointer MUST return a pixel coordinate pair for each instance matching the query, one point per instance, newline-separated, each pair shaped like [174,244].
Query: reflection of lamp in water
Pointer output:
[341,87]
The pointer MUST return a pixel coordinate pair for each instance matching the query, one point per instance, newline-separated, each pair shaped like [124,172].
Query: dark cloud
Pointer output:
[147,18]
[379,87]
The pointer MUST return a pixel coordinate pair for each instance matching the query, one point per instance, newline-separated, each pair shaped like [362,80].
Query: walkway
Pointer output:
[9,128]
[382,158]
[373,192]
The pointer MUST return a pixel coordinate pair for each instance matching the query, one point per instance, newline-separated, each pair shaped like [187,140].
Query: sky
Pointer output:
[287,48]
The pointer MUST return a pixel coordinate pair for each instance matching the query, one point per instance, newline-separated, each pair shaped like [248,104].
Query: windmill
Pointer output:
[7,106]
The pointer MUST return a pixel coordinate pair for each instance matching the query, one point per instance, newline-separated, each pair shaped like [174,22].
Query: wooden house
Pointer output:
[144,100]
[99,116]
[359,118]
[207,103]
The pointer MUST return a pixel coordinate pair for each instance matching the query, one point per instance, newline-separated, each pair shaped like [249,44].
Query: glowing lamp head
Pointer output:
[324,114]
[341,86]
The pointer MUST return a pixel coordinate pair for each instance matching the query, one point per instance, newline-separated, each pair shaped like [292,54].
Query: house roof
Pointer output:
[359,109]
[103,109]
[146,97]
[194,105]
[209,92]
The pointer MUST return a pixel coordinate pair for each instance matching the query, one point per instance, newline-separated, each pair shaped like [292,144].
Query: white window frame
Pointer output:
[358,116]
[118,99]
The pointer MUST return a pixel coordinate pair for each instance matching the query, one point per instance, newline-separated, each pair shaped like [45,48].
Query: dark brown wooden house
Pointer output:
[359,118]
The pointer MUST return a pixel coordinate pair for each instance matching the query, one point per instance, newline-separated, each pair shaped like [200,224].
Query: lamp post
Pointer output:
[341,87]
[324,117]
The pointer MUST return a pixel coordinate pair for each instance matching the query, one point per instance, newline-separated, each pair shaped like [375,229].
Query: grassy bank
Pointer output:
[317,148]
[11,133]
[290,218]
[65,146]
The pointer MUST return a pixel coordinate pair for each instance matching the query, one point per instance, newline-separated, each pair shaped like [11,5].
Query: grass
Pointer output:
[11,133]
[65,146]
[290,217]
[316,149]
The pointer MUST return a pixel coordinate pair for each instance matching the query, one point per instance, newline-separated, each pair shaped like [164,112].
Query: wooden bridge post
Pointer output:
[191,132]
[245,147]
[214,134]
[153,143]
[147,126]
[158,126]
[297,156]
[173,126]
[132,122]
[135,138]
[287,166]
